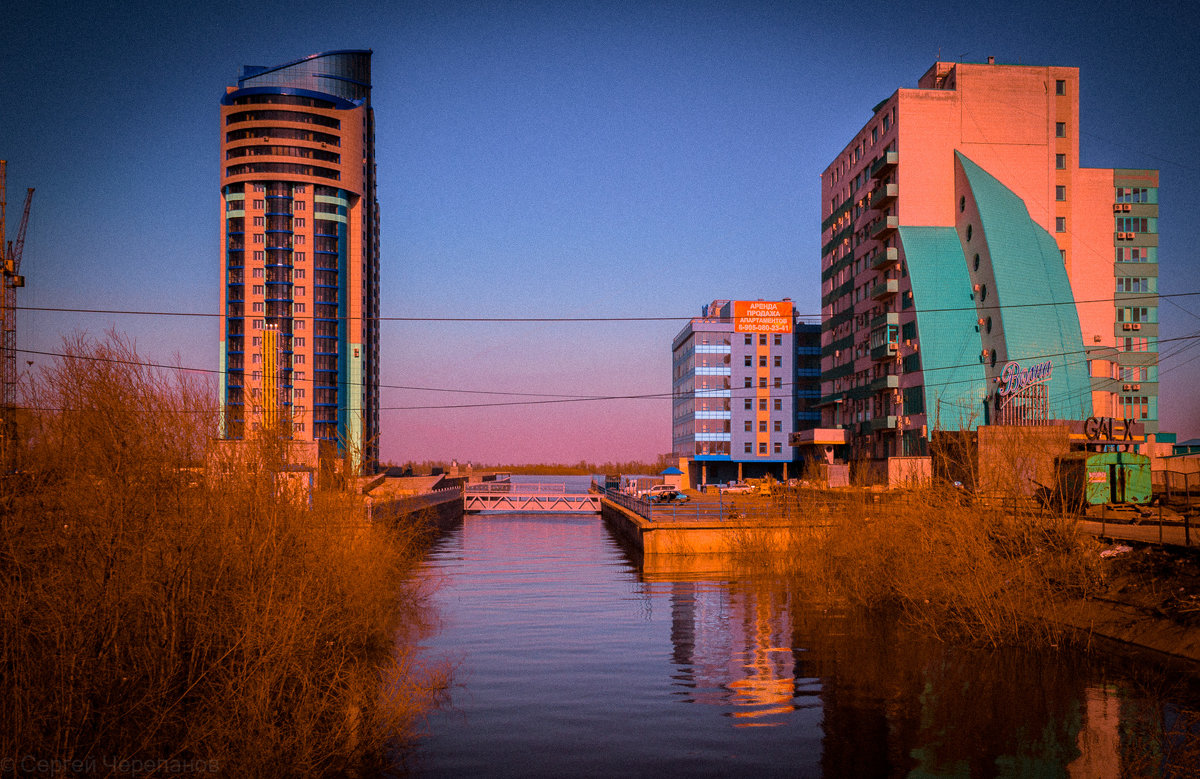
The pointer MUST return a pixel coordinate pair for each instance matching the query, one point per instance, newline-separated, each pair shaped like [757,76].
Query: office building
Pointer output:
[974,273]
[744,378]
[299,350]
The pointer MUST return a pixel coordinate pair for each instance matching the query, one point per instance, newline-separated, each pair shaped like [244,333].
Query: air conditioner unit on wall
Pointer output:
[1137,326]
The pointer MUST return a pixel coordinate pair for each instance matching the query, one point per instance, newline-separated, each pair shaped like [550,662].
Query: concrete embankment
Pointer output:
[442,509]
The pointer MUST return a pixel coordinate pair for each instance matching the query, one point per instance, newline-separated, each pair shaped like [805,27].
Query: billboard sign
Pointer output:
[762,316]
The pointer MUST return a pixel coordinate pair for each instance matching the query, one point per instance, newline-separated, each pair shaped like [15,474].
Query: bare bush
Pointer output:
[153,613]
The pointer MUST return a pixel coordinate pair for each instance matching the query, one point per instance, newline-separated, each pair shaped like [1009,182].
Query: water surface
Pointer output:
[573,661]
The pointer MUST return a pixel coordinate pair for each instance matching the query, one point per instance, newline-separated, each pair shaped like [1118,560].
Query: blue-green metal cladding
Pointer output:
[1032,295]
[955,383]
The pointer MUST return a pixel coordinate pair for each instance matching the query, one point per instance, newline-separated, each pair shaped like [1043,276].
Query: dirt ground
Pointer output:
[1150,599]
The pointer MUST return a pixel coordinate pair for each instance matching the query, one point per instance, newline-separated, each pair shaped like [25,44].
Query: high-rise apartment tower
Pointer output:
[973,272]
[299,348]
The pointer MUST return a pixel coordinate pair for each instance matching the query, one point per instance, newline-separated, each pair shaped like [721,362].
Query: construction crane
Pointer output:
[10,270]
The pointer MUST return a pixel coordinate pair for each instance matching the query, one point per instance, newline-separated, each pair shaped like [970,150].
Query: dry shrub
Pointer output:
[154,612]
[962,571]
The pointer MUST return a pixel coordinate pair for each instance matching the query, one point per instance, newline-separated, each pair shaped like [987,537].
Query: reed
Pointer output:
[153,612]
[967,570]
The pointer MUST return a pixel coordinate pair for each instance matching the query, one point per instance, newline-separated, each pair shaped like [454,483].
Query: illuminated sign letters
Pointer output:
[1013,379]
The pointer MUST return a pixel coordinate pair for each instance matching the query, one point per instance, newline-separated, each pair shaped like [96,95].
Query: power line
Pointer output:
[1132,297]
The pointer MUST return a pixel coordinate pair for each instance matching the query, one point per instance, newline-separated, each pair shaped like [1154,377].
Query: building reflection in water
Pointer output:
[732,647]
[893,701]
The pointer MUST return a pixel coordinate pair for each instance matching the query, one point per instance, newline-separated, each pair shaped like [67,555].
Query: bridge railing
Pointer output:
[533,488]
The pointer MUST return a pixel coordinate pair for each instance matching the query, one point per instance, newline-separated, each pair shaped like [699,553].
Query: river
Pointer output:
[571,660]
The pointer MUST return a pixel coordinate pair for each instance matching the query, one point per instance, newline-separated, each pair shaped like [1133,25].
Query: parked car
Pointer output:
[659,490]
[670,495]
[738,486]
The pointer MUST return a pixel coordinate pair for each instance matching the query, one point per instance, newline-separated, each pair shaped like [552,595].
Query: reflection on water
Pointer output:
[571,660]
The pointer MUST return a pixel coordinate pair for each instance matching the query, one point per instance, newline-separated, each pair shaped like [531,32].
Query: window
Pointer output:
[258,288]
[1134,406]
[301,291]
[1060,161]
[969,231]
[778,426]
[1136,314]
[1135,284]
[259,221]
[778,339]
[762,382]
[778,404]
[762,447]
[299,375]
[299,239]
[299,256]
[257,306]
[257,273]
[762,404]
[778,361]
[749,361]
[749,404]
[762,360]
[778,448]
[1137,195]
[258,204]
[256,341]
[749,426]
[762,426]
[256,324]
[298,324]
[298,359]
[1060,87]
[298,205]
[260,188]
[297,342]
[1060,193]
[1133,254]
[1133,224]
[298,273]
[749,340]
[256,358]
[749,382]
[749,448]
[762,340]
[298,392]
[258,237]
[778,382]
[1060,224]
[259,255]
[298,222]
[299,189]
[874,135]
[1060,129]
[299,308]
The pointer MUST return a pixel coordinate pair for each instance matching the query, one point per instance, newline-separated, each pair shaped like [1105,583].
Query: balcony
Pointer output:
[890,318]
[886,258]
[885,289]
[888,382]
[884,351]
[884,194]
[885,163]
[879,423]
[883,227]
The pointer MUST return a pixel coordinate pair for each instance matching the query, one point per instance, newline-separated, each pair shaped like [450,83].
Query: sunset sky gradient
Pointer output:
[542,159]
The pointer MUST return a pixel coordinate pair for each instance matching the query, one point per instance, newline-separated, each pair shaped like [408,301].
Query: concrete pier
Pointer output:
[704,537]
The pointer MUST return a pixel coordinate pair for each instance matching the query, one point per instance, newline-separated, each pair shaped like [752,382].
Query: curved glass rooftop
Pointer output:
[343,74]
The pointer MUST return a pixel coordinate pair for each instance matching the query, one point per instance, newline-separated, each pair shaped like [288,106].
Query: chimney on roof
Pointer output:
[991,60]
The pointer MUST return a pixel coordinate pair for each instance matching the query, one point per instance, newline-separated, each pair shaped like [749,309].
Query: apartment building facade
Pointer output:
[299,339]
[974,273]
[744,377]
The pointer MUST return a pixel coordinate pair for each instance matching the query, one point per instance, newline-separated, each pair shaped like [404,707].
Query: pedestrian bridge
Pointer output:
[544,498]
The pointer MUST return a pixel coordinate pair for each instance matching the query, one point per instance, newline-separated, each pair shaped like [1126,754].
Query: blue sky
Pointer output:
[590,159]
